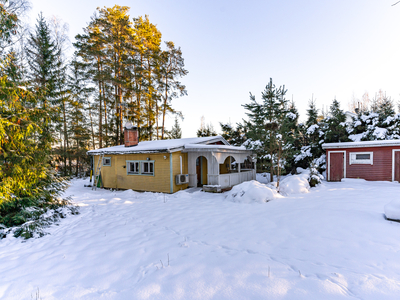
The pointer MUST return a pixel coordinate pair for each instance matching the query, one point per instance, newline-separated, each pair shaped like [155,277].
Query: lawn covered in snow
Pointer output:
[330,243]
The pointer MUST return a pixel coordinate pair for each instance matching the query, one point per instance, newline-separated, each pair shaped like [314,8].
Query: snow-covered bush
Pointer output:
[295,184]
[314,177]
[392,210]
[251,192]
[38,219]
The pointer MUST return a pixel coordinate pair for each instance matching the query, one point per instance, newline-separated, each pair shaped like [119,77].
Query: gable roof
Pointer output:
[160,146]
[381,143]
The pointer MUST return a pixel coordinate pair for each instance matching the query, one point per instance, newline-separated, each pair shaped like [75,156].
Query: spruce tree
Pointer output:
[264,125]
[176,131]
[312,113]
[291,137]
[28,186]
[385,108]
[336,130]
[234,136]
[43,60]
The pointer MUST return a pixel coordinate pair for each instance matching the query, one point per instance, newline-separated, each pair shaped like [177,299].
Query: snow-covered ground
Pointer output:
[330,243]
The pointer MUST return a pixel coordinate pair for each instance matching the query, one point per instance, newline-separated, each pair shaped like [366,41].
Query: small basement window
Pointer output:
[107,161]
[364,158]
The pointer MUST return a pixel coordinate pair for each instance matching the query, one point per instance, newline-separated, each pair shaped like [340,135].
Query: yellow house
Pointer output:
[171,165]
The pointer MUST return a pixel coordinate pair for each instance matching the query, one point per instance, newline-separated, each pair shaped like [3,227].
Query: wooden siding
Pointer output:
[397,166]
[176,169]
[336,166]
[381,170]
[116,177]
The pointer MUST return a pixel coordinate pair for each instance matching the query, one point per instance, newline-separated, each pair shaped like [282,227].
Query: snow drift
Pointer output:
[295,184]
[251,191]
[392,210]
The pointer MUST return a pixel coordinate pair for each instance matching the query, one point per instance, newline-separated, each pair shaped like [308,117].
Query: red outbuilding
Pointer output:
[371,160]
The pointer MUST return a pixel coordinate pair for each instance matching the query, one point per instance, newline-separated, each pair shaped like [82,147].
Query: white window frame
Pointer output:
[128,167]
[353,160]
[142,167]
[329,163]
[140,170]
[393,161]
[106,165]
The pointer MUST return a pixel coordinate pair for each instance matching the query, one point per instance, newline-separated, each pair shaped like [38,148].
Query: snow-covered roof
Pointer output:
[162,146]
[361,144]
[202,147]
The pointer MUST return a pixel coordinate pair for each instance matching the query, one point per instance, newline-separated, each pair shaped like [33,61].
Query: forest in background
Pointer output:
[53,108]
[120,70]
[283,144]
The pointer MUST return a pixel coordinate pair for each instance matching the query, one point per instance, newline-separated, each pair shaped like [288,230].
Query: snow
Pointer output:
[356,137]
[220,147]
[263,177]
[160,145]
[312,129]
[380,133]
[361,144]
[392,210]
[251,192]
[330,243]
[295,184]
[304,152]
[291,115]
[250,144]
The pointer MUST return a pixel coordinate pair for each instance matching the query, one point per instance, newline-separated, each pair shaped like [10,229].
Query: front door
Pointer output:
[336,166]
[198,171]
[397,166]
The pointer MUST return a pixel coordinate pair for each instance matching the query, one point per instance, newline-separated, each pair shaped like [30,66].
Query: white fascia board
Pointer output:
[385,143]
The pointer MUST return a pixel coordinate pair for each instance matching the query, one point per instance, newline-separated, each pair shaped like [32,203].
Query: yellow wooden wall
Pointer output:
[116,177]
[222,167]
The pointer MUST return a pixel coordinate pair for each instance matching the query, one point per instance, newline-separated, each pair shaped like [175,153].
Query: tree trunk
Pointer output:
[100,111]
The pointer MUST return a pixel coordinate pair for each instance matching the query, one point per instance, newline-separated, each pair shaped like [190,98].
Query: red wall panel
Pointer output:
[381,170]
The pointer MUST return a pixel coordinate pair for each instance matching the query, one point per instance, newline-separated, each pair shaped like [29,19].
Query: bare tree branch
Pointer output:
[395,3]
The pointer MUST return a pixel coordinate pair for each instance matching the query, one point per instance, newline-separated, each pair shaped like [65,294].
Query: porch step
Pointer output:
[212,188]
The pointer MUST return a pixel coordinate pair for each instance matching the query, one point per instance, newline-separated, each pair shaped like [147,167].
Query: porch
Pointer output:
[220,165]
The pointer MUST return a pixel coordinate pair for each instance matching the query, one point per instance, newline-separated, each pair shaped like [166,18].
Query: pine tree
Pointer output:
[336,130]
[312,113]
[79,120]
[385,109]
[148,51]
[291,137]
[234,136]
[171,69]
[205,129]
[176,131]
[265,118]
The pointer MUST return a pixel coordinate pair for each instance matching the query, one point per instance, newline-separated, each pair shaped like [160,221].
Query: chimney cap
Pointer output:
[129,125]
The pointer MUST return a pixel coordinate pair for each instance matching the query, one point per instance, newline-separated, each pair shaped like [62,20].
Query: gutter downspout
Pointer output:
[171,176]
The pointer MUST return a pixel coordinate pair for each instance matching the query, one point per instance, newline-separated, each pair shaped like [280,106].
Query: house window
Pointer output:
[139,167]
[107,161]
[364,158]
[148,167]
[133,167]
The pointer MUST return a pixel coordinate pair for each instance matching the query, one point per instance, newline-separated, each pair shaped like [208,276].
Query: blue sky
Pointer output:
[325,48]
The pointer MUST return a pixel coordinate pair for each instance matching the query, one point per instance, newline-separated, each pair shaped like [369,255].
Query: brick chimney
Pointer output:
[130,135]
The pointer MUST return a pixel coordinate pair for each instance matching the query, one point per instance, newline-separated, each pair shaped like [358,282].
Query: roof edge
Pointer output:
[363,144]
